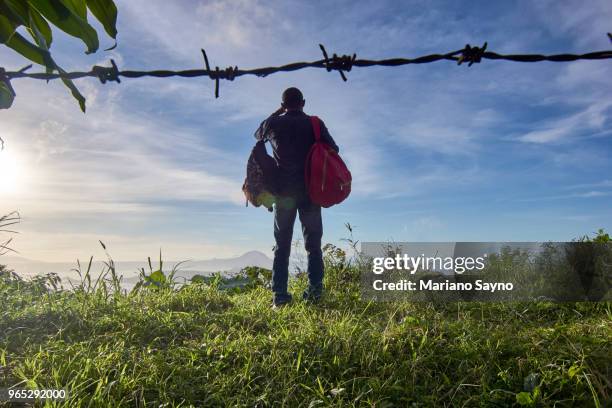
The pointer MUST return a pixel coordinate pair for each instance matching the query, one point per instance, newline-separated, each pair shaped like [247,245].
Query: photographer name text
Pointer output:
[431,285]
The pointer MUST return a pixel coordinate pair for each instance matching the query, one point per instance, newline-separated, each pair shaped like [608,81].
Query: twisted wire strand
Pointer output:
[342,64]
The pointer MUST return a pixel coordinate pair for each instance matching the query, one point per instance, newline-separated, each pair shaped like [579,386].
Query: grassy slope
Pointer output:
[204,347]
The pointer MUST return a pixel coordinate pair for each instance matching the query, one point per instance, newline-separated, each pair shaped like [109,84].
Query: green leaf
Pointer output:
[535,394]
[15,10]
[573,370]
[42,42]
[66,20]
[38,22]
[155,280]
[29,50]
[51,65]
[7,29]
[106,13]
[524,399]
[157,276]
[6,96]
[73,89]
[78,7]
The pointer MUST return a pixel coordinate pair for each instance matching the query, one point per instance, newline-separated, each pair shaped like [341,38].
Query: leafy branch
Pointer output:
[36,17]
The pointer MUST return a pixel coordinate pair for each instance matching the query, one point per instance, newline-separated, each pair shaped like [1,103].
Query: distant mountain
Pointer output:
[27,267]
[6,259]
[251,258]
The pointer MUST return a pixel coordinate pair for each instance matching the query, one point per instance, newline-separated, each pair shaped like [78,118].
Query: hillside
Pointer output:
[202,346]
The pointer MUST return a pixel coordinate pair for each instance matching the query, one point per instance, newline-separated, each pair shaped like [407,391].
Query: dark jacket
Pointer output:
[291,136]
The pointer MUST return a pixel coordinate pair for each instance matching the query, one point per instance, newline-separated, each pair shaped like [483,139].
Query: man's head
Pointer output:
[293,99]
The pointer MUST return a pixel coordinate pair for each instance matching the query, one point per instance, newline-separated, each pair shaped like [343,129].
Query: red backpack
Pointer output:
[328,180]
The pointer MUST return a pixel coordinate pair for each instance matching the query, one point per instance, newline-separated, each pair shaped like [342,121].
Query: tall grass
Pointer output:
[211,343]
[8,220]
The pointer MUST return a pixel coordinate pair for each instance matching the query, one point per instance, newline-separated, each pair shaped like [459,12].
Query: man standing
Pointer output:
[289,131]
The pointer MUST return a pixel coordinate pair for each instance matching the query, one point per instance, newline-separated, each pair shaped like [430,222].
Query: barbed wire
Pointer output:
[343,64]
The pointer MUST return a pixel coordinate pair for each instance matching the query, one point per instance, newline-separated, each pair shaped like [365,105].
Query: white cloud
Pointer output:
[586,194]
[583,75]
[591,120]
[598,184]
[585,23]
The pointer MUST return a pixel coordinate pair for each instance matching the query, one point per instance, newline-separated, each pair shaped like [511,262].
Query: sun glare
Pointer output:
[11,173]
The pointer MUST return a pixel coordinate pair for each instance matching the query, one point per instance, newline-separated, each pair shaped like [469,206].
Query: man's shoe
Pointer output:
[312,296]
[280,299]
[277,306]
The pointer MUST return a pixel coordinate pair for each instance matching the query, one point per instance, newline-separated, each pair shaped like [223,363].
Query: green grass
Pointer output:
[201,346]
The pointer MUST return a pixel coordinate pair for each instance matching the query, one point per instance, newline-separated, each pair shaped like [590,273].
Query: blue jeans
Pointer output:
[285,212]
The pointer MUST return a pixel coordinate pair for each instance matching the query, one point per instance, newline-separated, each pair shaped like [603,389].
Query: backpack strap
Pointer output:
[316,126]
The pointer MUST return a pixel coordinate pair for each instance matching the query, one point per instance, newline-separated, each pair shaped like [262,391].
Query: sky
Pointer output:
[499,151]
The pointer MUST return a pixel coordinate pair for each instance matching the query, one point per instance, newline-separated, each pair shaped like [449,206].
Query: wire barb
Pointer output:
[24,69]
[106,74]
[471,54]
[340,64]
[229,73]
